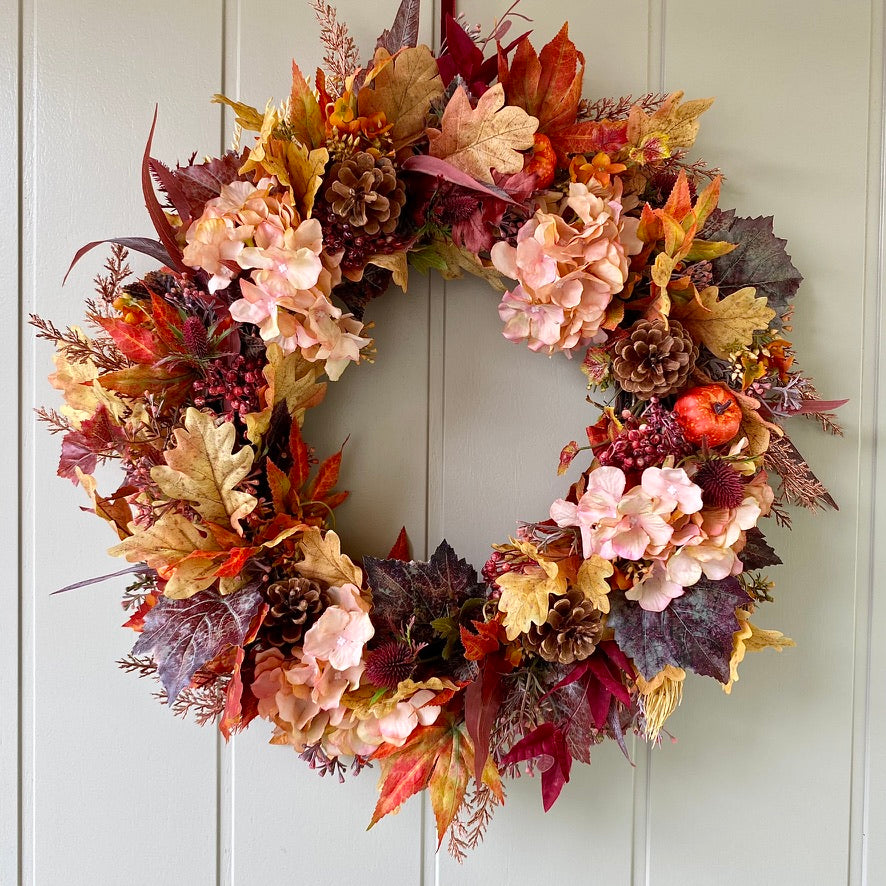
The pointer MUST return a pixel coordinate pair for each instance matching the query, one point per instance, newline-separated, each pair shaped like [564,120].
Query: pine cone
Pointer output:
[570,633]
[294,605]
[366,193]
[654,359]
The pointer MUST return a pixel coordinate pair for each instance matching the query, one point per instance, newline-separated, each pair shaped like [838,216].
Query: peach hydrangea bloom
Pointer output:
[341,632]
[566,273]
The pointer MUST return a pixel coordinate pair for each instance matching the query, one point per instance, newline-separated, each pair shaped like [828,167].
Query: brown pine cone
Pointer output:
[570,633]
[655,359]
[294,605]
[366,193]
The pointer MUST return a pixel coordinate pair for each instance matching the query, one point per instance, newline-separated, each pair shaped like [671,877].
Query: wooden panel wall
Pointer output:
[454,432]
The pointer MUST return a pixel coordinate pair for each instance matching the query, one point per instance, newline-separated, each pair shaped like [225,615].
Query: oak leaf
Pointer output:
[591,581]
[203,469]
[725,324]
[490,136]
[525,595]
[166,547]
[324,561]
[750,638]
[403,90]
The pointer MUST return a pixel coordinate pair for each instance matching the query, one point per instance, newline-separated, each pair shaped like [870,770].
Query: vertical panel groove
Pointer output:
[642,800]
[226,753]
[868,529]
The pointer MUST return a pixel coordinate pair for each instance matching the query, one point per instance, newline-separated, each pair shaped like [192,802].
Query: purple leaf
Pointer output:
[423,591]
[77,452]
[812,407]
[694,632]
[182,635]
[759,260]
[199,182]
[144,245]
[482,701]
[404,30]
[757,552]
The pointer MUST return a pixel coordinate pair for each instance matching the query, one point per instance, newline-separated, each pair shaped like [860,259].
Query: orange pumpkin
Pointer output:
[709,413]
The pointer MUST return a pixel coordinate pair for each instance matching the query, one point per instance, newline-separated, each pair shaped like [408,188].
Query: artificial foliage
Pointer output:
[606,244]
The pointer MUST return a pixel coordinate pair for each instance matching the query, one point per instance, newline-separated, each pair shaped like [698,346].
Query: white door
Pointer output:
[454,433]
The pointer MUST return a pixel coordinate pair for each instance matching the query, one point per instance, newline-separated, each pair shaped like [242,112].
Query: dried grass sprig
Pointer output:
[341,58]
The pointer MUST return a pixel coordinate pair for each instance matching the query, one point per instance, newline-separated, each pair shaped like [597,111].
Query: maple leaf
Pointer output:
[403,90]
[439,757]
[487,639]
[190,187]
[404,30]
[757,553]
[203,469]
[487,137]
[591,581]
[324,561]
[759,260]
[548,86]
[548,742]
[166,546]
[525,595]
[182,635]
[426,591]
[135,342]
[693,632]
[725,324]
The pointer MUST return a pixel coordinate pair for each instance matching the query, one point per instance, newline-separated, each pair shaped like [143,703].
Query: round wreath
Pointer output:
[198,376]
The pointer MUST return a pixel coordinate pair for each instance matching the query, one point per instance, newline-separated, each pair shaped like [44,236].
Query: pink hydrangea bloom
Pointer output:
[655,592]
[672,488]
[396,726]
[342,631]
[567,274]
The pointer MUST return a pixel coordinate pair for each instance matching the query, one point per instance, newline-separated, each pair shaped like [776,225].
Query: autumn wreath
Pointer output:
[481,159]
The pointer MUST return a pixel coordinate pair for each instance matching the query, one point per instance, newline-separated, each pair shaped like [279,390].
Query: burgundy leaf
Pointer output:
[155,210]
[77,452]
[200,182]
[482,701]
[610,649]
[694,632]
[182,635]
[614,686]
[812,407]
[549,741]
[599,701]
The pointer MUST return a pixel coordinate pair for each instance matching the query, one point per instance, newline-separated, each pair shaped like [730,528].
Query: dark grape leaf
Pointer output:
[423,591]
[694,632]
[759,260]
[182,635]
[758,553]
[404,30]
[189,187]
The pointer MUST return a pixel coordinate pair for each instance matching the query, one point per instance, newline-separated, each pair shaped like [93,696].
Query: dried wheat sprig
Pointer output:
[798,485]
[341,58]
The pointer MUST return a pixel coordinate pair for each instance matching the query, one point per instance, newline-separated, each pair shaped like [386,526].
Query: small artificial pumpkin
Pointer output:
[542,162]
[708,414]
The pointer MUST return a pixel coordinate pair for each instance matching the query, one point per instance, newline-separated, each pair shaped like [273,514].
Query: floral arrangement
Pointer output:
[197,377]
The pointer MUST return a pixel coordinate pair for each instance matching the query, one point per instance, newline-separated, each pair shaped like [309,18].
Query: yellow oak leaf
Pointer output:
[324,561]
[525,595]
[402,89]
[677,122]
[166,547]
[487,137]
[365,703]
[725,324]
[291,378]
[204,470]
[750,638]
[591,581]
[458,260]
